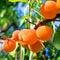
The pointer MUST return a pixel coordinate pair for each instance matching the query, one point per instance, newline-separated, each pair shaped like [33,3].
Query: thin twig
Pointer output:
[43,56]
[29,21]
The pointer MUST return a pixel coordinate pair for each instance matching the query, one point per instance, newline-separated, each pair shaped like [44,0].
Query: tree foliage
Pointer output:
[21,14]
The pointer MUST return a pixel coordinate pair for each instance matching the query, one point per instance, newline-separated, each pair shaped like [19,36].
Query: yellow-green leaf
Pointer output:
[17,0]
[56,38]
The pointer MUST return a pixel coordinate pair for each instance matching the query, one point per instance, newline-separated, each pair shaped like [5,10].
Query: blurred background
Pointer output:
[13,16]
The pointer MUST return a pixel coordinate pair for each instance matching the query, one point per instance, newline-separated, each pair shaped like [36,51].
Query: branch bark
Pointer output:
[41,22]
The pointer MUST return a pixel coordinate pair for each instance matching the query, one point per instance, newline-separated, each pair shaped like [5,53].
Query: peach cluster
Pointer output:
[30,38]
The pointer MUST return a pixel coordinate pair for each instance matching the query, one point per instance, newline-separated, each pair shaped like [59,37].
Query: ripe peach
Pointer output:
[36,47]
[15,35]
[28,35]
[9,45]
[44,33]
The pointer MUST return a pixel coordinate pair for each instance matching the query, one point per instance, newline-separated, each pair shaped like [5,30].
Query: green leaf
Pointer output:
[22,19]
[58,58]
[2,13]
[17,0]
[56,38]
[4,23]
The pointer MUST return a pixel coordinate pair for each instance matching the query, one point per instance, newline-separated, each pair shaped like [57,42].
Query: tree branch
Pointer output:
[41,22]
[46,21]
